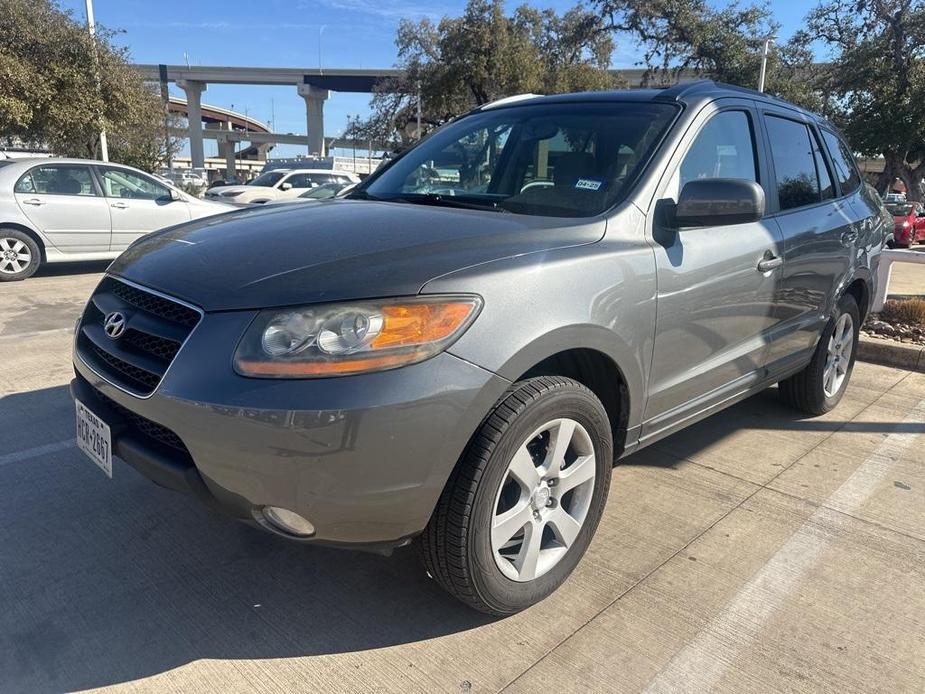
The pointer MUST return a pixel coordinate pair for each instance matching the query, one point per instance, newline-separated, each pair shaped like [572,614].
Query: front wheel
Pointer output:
[523,503]
[820,386]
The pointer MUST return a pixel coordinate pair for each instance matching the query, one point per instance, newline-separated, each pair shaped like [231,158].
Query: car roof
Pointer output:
[37,161]
[318,171]
[688,93]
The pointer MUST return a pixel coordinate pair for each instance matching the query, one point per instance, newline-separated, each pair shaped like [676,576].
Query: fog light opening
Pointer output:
[288,521]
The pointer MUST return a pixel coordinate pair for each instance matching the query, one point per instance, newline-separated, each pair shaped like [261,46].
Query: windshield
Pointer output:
[899,209]
[268,179]
[564,160]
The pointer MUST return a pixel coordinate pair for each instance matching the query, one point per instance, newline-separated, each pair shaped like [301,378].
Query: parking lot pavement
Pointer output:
[755,551]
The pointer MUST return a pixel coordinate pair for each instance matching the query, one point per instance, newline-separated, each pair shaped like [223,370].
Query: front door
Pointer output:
[715,307]
[138,205]
[63,203]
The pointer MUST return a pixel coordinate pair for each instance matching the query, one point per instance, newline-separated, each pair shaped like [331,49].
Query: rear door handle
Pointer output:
[33,201]
[768,264]
[119,205]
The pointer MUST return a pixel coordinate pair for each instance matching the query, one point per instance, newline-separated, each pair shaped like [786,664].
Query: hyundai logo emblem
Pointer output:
[114,325]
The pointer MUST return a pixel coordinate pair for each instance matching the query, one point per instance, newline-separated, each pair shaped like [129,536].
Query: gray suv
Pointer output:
[457,352]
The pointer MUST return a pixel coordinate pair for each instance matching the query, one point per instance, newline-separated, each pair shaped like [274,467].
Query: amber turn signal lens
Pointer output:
[417,324]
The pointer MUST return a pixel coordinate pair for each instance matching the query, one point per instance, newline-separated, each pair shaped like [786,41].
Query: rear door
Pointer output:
[819,228]
[715,307]
[138,205]
[64,203]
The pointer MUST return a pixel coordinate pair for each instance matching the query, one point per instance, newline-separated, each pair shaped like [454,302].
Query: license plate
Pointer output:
[93,438]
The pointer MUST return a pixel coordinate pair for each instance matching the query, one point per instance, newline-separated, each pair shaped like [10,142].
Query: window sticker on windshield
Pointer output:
[588,184]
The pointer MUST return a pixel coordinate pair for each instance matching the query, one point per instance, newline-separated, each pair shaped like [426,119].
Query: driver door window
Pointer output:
[724,148]
[119,183]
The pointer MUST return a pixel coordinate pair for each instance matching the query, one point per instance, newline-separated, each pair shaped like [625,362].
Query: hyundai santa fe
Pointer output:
[457,352]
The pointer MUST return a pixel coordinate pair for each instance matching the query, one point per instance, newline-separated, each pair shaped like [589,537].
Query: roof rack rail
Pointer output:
[507,100]
[676,91]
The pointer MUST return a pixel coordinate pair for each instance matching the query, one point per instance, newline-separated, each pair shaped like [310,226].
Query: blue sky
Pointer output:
[286,33]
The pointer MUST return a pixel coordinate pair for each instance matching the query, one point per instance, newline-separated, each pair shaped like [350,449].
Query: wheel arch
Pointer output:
[31,233]
[860,289]
[595,357]
[600,374]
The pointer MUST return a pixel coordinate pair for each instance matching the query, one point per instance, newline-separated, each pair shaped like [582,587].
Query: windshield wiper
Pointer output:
[438,199]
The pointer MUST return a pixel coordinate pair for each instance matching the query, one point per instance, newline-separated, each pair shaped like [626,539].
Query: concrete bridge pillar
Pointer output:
[314,116]
[194,90]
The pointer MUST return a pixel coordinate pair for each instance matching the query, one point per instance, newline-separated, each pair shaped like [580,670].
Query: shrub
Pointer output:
[911,311]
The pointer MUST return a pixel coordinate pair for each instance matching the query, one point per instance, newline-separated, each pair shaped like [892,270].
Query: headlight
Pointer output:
[349,338]
[232,193]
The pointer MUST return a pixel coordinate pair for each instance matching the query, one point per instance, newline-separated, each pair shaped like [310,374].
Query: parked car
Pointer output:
[895,197]
[462,369]
[280,184]
[908,223]
[64,210]
[326,191]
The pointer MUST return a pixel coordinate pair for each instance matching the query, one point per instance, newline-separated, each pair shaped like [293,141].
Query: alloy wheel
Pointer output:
[15,256]
[543,500]
[838,357]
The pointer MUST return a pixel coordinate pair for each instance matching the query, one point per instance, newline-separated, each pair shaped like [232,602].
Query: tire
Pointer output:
[20,255]
[457,545]
[808,390]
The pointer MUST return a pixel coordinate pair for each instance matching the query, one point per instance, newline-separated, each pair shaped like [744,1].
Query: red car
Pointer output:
[908,223]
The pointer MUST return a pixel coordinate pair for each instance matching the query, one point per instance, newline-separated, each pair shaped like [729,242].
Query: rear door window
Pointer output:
[58,180]
[799,167]
[843,162]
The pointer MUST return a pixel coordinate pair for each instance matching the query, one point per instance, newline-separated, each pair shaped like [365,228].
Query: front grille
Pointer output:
[154,304]
[155,329]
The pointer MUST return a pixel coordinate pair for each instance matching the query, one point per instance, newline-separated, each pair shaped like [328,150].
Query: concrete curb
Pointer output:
[889,353]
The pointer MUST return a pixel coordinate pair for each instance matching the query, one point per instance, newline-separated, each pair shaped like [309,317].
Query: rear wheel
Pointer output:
[20,256]
[523,504]
[820,386]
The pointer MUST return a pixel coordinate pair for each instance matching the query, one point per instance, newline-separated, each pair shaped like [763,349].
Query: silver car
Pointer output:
[63,210]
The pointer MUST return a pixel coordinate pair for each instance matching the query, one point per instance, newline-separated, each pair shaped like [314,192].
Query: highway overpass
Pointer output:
[314,85]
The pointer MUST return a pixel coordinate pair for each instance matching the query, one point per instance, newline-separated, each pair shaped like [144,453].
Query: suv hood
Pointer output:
[338,250]
[221,190]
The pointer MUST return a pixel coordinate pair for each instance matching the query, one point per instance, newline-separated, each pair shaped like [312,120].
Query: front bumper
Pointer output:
[364,457]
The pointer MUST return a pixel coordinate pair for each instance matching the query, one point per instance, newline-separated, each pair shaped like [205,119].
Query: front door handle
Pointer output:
[768,264]
[33,201]
[119,205]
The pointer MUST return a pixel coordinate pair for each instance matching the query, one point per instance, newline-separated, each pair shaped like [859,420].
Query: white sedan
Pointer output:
[280,184]
[64,210]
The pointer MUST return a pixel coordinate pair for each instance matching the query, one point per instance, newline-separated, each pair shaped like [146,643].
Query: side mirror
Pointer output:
[285,186]
[174,195]
[719,201]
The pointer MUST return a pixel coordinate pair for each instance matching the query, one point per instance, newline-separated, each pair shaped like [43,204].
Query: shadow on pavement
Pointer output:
[108,581]
[64,269]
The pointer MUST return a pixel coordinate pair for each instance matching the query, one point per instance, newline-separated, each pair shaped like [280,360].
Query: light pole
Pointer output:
[320,56]
[764,61]
[91,27]
[419,110]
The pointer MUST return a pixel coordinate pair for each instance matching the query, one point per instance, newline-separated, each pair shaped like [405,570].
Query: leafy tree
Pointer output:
[721,43]
[463,62]
[58,87]
[877,80]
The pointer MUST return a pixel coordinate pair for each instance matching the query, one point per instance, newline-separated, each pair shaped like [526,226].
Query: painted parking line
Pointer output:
[20,456]
[701,664]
